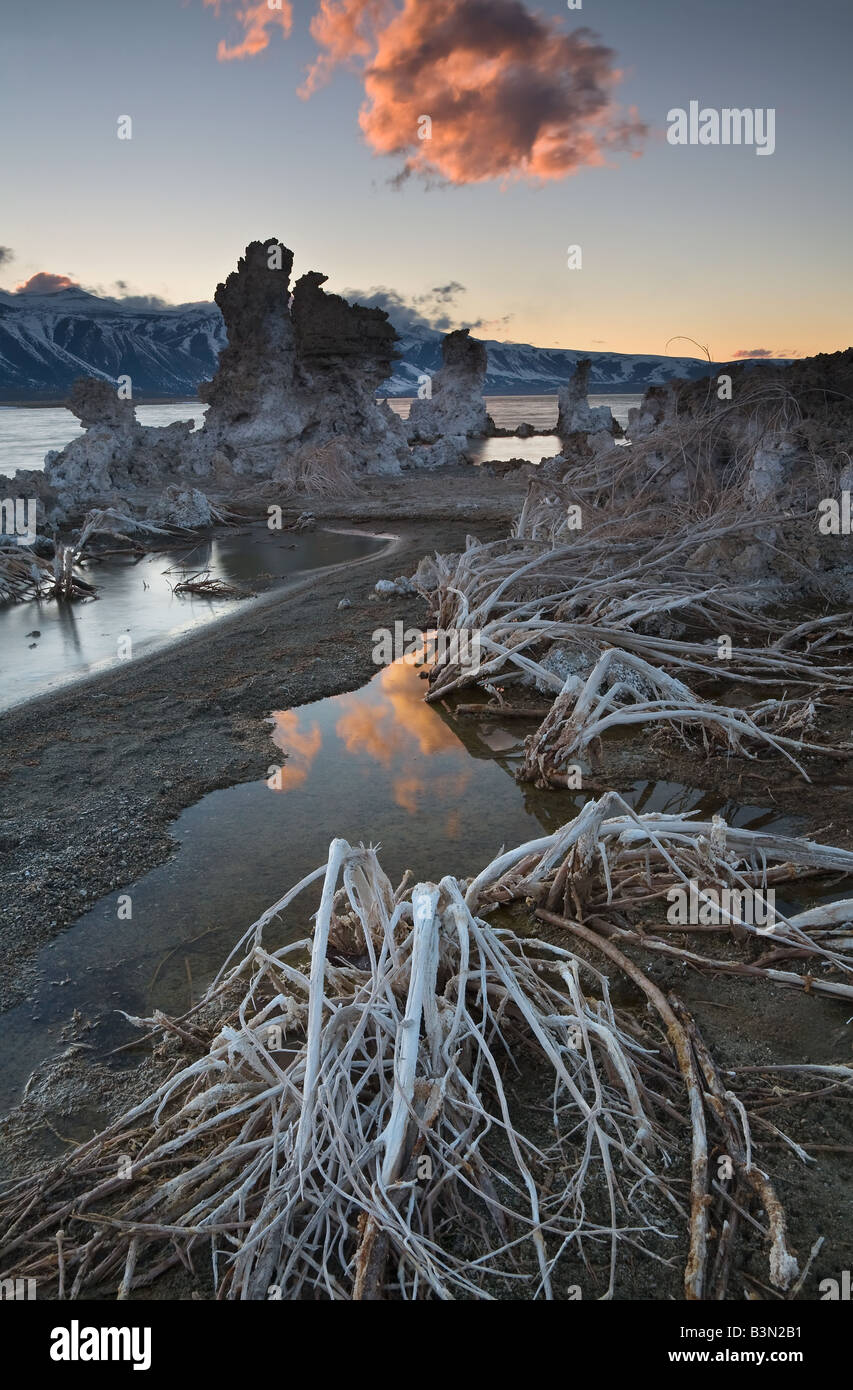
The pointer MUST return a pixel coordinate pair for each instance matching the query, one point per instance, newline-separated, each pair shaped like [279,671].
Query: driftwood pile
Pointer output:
[613,629]
[202,584]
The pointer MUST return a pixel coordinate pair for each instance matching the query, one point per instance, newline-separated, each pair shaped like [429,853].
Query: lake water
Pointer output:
[508,412]
[436,792]
[45,644]
[27,433]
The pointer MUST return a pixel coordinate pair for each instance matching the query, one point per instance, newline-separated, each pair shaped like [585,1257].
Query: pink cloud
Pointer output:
[509,94]
[45,282]
[257,21]
[346,30]
[761,352]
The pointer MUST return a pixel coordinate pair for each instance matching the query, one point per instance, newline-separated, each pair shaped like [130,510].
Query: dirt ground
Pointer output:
[92,778]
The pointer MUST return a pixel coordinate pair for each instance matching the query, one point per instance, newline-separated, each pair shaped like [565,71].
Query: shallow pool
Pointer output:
[45,644]
[436,793]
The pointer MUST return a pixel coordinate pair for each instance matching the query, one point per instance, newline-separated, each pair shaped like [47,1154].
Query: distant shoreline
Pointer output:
[54,403]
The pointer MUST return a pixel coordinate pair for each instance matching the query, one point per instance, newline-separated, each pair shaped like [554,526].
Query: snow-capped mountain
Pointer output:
[47,340]
[519,369]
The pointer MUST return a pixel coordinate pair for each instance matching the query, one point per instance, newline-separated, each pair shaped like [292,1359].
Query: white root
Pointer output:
[603,595]
[299,1165]
[298,1160]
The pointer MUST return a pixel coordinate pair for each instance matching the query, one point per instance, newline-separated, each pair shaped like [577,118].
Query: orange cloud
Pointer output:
[257,20]
[508,94]
[45,282]
[761,352]
[345,29]
[389,722]
[413,716]
[365,728]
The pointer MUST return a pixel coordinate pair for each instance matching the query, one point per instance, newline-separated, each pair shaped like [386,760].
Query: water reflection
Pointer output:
[28,432]
[376,765]
[541,446]
[436,792]
[386,725]
[508,412]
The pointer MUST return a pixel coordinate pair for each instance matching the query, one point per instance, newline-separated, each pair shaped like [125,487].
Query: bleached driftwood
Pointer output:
[608,700]
[290,1163]
[602,597]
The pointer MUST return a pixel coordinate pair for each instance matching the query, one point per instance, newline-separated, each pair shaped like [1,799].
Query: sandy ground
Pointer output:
[92,779]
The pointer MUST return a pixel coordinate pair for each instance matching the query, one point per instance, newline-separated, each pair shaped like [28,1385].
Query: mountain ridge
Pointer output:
[49,339]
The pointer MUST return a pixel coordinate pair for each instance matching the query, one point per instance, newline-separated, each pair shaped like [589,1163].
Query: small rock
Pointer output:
[400,587]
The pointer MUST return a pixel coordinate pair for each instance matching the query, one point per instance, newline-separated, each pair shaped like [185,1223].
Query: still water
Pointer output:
[45,644]
[28,432]
[436,793]
[508,412]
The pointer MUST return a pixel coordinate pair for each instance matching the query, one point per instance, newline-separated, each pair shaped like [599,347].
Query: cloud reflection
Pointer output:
[388,723]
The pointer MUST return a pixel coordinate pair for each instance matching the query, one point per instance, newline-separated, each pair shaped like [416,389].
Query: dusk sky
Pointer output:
[537,144]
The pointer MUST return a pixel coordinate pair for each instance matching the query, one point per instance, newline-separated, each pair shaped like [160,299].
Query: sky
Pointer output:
[549,130]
